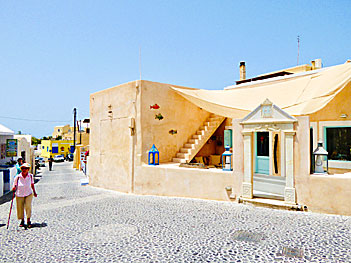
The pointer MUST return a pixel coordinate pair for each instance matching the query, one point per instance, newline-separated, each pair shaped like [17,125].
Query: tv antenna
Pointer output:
[298,49]
[140,61]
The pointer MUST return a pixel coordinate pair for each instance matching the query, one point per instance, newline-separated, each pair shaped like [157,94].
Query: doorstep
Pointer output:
[270,203]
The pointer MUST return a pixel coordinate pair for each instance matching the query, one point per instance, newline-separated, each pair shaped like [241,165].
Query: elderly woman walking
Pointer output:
[23,185]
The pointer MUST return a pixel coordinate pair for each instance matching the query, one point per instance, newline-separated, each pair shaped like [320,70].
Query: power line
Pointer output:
[20,119]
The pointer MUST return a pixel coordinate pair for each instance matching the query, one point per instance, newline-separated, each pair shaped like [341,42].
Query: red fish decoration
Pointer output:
[155,107]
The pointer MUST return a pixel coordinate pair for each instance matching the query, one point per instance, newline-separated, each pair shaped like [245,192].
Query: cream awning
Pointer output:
[297,95]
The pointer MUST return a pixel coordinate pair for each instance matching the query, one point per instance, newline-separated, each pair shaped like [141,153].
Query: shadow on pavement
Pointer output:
[1,225]
[6,198]
[39,225]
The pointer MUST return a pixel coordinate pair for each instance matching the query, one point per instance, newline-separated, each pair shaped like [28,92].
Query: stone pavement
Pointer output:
[86,224]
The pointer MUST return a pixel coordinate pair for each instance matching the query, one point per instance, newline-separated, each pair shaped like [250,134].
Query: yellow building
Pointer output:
[50,148]
[61,131]
[67,133]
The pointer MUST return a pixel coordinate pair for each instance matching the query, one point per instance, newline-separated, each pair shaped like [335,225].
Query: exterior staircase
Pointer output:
[198,140]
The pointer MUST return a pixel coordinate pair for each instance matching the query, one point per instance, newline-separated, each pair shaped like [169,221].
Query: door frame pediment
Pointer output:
[269,117]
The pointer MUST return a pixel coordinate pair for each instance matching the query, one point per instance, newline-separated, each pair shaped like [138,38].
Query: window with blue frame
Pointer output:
[338,143]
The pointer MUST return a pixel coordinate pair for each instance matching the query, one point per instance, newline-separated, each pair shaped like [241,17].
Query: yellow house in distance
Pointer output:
[67,133]
[50,148]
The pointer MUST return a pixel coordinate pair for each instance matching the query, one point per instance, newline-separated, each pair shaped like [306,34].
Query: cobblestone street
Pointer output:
[85,224]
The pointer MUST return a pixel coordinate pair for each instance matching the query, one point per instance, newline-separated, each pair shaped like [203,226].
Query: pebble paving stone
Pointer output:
[86,224]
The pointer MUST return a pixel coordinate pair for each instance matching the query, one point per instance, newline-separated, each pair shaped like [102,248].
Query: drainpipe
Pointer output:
[132,127]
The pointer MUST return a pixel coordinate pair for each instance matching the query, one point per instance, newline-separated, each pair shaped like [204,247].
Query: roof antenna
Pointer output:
[298,49]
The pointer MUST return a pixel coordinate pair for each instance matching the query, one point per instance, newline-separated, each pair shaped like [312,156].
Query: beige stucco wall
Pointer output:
[339,105]
[115,155]
[179,114]
[23,146]
[320,193]
[238,157]
[111,143]
[183,182]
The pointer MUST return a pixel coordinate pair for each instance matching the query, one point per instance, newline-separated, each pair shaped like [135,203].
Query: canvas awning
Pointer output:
[297,95]
[5,131]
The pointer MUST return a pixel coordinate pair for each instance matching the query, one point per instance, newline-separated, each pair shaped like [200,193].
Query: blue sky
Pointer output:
[55,53]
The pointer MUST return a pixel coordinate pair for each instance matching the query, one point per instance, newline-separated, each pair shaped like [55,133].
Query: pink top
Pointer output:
[23,185]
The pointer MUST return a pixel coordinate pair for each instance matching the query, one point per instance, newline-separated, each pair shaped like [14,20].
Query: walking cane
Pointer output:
[8,221]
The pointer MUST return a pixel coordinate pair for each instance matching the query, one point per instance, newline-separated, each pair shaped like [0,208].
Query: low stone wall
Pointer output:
[171,180]
[325,193]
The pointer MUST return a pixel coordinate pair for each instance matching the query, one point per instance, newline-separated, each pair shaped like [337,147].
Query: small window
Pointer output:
[262,143]
[43,147]
[338,141]
[58,130]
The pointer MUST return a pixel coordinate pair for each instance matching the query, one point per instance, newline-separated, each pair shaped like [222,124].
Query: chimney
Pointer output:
[316,64]
[242,70]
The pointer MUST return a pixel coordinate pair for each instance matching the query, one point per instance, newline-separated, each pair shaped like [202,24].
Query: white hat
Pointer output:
[25,165]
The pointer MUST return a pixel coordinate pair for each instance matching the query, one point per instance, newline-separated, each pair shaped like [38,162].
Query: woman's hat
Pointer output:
[25,165]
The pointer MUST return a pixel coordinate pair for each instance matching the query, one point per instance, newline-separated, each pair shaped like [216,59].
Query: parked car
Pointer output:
[59,158]
[69,157]
[41,162]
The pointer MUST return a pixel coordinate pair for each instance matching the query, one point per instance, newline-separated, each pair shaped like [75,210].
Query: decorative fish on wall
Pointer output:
[154,107]
[159,116]
[173,132]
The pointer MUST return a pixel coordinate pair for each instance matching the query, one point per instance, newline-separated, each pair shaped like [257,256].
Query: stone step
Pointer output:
[189,145]
[198,139]
[179,160]
[200,132]
[270,203]
[210,124]
[185,150]
[195,136]
[183,155]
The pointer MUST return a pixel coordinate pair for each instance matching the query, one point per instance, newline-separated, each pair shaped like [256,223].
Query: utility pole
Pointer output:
[74,129]
[80,131]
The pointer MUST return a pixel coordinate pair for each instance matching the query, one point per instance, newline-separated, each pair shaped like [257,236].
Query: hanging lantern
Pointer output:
[319,155]
[227,160]
[153,152]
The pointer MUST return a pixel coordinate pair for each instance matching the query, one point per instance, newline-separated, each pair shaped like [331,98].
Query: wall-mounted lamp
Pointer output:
[343,115]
